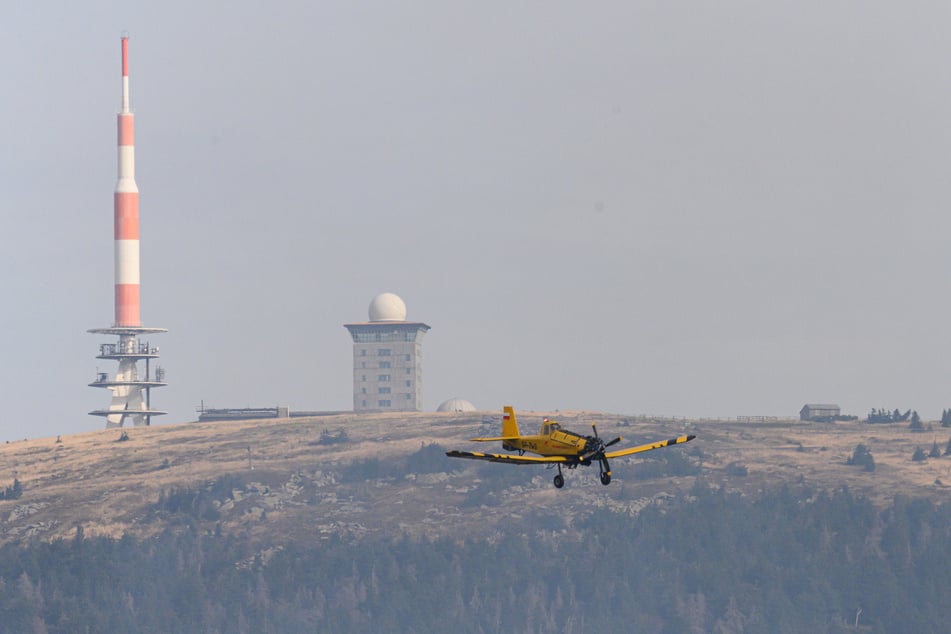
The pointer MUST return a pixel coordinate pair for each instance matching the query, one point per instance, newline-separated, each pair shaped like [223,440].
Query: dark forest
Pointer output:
[791,560]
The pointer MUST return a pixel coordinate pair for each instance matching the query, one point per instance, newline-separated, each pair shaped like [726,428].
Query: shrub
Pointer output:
[333,438]
[862,456]
[431,458]
[736,469]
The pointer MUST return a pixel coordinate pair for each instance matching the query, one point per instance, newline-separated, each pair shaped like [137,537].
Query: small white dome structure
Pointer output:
[387,307]
[456,405]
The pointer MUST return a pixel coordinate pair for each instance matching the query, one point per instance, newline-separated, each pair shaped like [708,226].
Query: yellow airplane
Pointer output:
[558,446]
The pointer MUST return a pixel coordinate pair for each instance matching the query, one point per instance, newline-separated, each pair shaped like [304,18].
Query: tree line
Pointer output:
[793,559]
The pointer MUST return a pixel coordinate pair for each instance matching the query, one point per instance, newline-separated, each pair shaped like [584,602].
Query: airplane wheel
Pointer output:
[605,479]
[559,481]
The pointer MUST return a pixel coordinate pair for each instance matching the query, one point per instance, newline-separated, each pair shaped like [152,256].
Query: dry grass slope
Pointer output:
[292,485]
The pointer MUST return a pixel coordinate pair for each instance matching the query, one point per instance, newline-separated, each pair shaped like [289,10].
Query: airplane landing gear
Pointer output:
[559,479]
[605,471]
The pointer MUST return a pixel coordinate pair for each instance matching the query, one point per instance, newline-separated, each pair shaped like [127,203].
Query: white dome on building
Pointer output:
[387,307]
[456,405]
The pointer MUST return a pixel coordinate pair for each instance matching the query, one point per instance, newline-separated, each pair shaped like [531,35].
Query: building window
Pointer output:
[383,377]
[409,357]
[408,371]
[364,403]
[363,377]
[384,403]
[409,383]
[363,353]
[384,352]
[363,390]
[384,337]
[409,397]
[363,364]
[384,364]
[384,390]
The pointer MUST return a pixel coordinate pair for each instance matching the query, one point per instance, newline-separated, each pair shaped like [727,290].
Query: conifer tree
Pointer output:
[862,456]
[12,492]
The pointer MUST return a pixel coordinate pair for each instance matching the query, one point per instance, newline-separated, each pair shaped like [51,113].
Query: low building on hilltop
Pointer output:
[819,413]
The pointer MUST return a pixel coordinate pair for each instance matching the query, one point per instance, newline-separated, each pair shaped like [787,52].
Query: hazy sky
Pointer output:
[679,208]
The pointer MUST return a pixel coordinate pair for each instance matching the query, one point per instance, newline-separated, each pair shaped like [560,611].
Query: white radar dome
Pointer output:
[387,307]
[456,405]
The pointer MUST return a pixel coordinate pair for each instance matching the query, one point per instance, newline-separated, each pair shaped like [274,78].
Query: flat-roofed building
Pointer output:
[813,412]
[387,358]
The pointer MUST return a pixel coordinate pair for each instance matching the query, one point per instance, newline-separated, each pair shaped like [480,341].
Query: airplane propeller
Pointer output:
[601,445]
[604,445]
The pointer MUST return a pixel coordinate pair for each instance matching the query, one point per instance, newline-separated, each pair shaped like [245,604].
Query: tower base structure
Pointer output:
[131,393]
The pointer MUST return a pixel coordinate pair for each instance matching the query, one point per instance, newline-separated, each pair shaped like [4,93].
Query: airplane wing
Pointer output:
[504,457]
[648,447]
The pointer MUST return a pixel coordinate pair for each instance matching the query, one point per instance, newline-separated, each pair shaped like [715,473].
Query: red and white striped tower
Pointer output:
[130,394]
[127,210]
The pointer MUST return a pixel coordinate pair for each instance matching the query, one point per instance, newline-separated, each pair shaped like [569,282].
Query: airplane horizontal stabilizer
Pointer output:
[495,438]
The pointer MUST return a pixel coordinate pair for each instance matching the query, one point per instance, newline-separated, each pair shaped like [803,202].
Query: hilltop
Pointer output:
[386,474]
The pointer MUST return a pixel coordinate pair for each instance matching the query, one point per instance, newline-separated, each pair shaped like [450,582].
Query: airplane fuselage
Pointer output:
[552,441]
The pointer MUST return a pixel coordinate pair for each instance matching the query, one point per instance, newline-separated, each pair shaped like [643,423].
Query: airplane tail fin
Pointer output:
[509,424]
[509,430]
